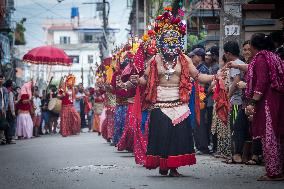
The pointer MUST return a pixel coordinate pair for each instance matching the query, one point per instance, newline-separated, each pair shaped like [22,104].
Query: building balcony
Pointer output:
[205,13]
[90,41]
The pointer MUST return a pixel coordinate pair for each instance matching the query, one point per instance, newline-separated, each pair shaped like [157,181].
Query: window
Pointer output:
[64,40]
[90,59]
[75,59]
[88,38]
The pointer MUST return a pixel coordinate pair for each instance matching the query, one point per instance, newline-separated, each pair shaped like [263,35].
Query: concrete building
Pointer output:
[6,37]
[137,18]
[142,13]
[203,17]
[261,17]
[80,40]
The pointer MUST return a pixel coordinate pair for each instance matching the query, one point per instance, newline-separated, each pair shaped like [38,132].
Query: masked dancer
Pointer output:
[167,77]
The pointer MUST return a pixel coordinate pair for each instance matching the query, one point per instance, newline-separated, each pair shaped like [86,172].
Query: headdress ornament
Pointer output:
[167,21]
[149,42]
[70,80]
[170,32]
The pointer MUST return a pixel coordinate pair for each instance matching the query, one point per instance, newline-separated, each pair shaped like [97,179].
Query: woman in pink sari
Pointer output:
[265,89]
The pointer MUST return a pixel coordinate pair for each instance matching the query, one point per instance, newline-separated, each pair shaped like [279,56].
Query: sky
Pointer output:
[36,11]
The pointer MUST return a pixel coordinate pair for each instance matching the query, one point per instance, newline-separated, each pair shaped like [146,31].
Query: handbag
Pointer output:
[3,123]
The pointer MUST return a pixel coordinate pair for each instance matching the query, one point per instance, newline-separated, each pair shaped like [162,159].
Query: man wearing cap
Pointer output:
[198,57]
[201,134]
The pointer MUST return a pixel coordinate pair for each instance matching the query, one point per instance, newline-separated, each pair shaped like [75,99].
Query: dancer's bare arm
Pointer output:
[195,74]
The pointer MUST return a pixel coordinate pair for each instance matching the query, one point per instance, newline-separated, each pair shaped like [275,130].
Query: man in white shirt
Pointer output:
[232,51]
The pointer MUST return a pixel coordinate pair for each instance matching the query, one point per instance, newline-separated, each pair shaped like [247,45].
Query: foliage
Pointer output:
[195,39]
[55,82]
[20,33]
[160,8]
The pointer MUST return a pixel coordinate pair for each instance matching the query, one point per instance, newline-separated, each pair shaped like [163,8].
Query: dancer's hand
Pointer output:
[250,117]
[232,64]
[119,82]
[108,87]
[242,85]
[134,79]
[249,110]
[221,74]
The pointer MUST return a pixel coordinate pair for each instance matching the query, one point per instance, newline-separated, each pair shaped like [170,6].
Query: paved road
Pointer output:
[87,161]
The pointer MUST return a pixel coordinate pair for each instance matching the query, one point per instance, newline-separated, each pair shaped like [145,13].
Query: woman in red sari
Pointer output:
[69,118]
[265,89]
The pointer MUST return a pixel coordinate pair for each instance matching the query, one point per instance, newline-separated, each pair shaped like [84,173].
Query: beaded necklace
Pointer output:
[169,67]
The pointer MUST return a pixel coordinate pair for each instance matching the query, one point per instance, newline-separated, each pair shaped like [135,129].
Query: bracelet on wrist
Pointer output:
[197,75]
[124,86]
[214,77]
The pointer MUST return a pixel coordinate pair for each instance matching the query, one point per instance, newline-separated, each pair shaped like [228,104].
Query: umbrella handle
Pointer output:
[48,75]
[49,83]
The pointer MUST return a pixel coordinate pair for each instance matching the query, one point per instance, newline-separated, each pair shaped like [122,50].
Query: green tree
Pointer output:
[20,33]
[195,39]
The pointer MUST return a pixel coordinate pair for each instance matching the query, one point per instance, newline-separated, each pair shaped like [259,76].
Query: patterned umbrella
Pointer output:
[47,55]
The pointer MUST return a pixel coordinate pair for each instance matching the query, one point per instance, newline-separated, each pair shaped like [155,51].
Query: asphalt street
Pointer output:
[87,161]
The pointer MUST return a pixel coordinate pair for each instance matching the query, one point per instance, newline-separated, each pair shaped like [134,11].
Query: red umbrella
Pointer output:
[47,55]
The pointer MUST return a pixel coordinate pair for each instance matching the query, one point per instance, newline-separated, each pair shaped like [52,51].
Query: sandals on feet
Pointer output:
[175,173]
[268,178]
[253,162]
[232,161]
[235,159]
[163,172]
[218,156]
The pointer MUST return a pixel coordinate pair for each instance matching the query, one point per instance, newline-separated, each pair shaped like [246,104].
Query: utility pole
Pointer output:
[105,32]
[230,23]
[145,15]
[82,75]
[104,16]
[137,17]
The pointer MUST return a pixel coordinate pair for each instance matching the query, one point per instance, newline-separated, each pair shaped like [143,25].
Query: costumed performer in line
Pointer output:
[168,85]
[70,123]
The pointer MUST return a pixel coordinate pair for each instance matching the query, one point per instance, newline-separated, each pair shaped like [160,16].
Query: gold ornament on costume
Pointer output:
[149,42]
